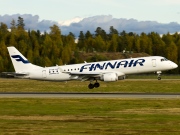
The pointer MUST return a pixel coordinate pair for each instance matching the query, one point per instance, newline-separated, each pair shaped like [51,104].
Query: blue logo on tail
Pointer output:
[19,58]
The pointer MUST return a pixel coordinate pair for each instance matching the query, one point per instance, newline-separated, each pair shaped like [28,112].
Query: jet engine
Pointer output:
[109,77]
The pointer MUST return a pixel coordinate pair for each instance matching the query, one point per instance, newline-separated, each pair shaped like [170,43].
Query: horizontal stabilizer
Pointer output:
[13,74]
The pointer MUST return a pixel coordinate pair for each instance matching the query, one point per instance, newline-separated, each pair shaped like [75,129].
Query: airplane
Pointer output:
[107,71]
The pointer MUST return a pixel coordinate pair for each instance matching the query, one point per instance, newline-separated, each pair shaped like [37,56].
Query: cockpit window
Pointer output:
[164,59]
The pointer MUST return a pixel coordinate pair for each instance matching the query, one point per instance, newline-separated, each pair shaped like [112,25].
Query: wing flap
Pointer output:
[83,76]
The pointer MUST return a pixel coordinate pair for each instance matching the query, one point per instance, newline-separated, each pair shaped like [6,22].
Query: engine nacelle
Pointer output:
[109,77]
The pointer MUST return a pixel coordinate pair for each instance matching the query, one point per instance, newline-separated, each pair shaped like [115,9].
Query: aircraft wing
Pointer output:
[96,73]
[83,76]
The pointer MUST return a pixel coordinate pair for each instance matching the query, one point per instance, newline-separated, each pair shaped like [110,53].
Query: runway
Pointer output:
[91,95]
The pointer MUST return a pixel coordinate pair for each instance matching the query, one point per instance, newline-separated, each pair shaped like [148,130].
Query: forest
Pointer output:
[52,48]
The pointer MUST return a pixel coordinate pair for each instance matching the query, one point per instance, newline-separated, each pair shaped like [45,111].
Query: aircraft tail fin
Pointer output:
[20,63]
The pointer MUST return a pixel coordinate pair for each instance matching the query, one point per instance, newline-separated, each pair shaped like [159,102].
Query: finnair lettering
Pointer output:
[116,64]
[19,58]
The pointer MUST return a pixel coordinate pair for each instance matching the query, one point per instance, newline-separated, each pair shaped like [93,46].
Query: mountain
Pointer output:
[76,25]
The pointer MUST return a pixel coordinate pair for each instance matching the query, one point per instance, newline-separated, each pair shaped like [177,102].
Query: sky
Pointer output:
[162,11]
[136,16]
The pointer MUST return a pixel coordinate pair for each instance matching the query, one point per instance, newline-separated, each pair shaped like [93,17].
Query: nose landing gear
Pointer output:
[159,78]
[159,75]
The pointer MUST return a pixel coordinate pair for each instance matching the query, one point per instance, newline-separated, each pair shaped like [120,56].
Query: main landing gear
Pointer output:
[159,75]
[95,85]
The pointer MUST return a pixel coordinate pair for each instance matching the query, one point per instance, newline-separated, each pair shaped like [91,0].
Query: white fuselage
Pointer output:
[121,67]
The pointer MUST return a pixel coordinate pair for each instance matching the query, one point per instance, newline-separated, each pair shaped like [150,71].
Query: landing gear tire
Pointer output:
[159,75]
[96,85]
[91,86]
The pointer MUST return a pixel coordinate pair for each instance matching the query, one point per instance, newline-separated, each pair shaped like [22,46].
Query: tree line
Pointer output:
[53,48]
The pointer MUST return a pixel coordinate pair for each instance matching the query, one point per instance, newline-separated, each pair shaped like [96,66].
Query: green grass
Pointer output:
[153,76]
[127,85]
[33,116]
[89,116]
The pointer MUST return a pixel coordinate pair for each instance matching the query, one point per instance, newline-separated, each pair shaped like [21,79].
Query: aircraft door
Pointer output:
[44,73]
[154,62]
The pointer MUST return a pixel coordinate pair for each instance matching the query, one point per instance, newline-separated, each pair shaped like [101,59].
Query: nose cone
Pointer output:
[174,65]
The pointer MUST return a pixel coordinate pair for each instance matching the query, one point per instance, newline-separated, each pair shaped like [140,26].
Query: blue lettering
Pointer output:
[103,66]
[109,64]
[125,63]
[139,61]
[84,67]
[91,68]
[97,66]
[131,63]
